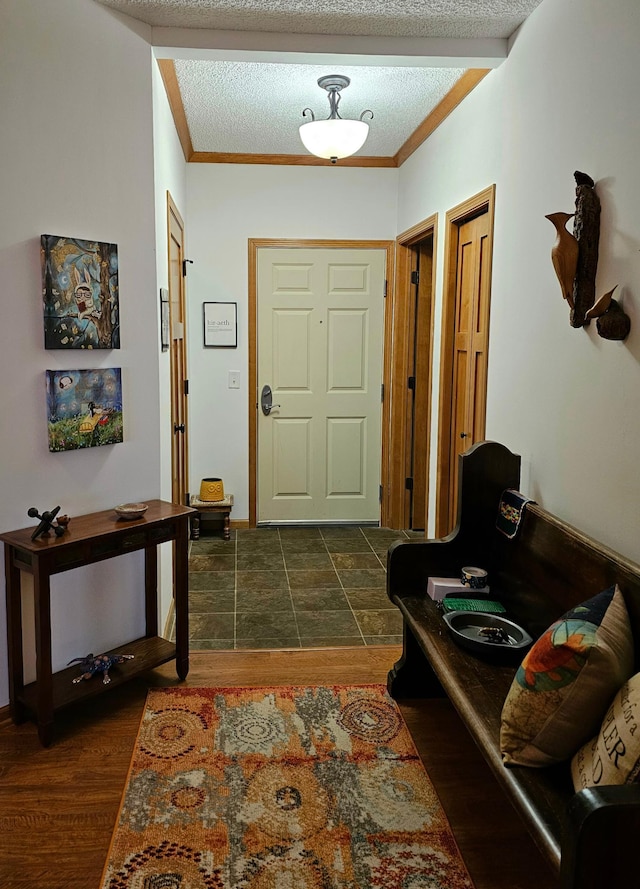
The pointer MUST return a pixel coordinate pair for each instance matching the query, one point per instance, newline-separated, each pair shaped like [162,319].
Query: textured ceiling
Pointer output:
[235,104]
[399,18]
[272,98]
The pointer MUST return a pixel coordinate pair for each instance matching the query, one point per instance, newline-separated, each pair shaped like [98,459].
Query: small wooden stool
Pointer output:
[222,507]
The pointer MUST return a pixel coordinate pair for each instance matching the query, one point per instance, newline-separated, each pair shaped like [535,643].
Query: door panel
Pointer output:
[320,324]
[346,456]
[290,350]
[347,354]
[291,456]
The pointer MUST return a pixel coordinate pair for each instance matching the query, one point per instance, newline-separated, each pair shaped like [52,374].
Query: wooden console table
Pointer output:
[91,538]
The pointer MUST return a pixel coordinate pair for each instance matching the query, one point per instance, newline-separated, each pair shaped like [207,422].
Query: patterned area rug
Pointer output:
[279,788]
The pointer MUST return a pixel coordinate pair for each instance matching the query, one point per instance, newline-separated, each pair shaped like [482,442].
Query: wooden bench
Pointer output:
[587,837]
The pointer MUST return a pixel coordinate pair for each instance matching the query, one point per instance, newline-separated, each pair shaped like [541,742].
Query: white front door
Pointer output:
[320,335]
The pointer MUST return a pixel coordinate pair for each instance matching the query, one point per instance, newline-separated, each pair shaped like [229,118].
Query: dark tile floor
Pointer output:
[292,587]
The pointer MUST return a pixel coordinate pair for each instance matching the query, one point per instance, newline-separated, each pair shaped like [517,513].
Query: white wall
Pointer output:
[170,176]
[227,205]
[566,99]
[77,89]
[77,159]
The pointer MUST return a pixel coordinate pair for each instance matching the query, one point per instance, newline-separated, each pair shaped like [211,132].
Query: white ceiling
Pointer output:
[272,98]
[239,98]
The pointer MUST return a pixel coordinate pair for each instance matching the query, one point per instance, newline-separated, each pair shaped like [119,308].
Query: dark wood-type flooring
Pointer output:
[58,806]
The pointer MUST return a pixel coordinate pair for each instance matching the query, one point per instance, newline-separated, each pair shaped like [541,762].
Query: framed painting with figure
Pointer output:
[84,408]
[80,293]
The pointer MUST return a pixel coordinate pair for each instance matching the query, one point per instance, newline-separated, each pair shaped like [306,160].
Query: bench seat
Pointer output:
[588,838]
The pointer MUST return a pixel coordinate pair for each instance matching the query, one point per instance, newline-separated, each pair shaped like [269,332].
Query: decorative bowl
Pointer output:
[131,510]
[487,633]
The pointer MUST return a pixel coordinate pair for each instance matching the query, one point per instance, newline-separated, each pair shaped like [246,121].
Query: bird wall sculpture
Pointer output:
[575,260]
[564,254]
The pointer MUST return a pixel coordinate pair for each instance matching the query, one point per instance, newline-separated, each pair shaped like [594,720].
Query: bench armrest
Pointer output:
[484,471]
[410,563]
[601,834]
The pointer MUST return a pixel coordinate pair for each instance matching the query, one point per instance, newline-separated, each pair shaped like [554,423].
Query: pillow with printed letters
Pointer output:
[613,756]
[566,682]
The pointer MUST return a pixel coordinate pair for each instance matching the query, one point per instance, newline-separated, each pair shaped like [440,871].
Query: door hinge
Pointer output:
[411,383]
[384,292]
[381,391]
[380,494]
[415,277]
[408,483]
[184,266]
[186,387]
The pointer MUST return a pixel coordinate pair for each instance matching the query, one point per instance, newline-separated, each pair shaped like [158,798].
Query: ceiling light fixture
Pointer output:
[334,137]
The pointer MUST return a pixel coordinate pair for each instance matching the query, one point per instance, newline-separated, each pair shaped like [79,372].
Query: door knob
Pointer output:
[178,427]
[464,435]
[266,400]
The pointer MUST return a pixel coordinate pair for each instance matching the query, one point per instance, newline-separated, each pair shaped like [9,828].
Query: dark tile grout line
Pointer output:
[293,604]
[235,590]
[364,641]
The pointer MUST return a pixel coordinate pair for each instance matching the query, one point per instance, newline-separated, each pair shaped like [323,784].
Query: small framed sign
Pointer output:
[221,325]
[164,319]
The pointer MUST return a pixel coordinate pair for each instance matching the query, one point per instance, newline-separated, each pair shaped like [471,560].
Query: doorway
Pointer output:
[419,384]
[465,344]
[317,325]
[411,376]
[178,355]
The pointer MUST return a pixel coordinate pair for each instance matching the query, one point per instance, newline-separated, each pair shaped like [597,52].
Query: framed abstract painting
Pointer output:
[84,408]
[80,293]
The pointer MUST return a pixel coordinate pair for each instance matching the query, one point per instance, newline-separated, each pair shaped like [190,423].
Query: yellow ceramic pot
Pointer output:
[211,489]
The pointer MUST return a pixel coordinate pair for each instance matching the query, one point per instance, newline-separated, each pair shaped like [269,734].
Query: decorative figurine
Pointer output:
[612,323]
[494,634]
[47,522]
[575,260]
[586,228]
[564,254]
[102,663]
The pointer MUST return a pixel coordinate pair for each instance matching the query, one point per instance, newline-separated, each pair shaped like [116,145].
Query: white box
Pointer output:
[439,587]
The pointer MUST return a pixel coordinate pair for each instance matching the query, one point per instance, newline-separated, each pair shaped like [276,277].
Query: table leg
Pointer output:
[14,635]
[227,527]
[42,603]
[151,591]
[181,594]
[195,527]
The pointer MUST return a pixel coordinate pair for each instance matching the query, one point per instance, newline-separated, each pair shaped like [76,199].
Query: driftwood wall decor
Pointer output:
[575,260]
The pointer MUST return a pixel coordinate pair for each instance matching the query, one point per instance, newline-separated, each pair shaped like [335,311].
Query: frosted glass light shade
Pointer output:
[334,138]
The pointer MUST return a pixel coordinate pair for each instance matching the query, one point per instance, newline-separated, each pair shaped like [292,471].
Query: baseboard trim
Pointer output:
[240,524]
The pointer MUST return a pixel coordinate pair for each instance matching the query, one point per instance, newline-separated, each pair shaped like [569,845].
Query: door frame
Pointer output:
[399,308]
[483,202]
[172,211]
[255,244]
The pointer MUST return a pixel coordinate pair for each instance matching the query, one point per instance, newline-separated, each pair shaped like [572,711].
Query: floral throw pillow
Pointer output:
[566,682]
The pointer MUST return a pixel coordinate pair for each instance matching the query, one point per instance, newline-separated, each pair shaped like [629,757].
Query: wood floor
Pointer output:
[58,806]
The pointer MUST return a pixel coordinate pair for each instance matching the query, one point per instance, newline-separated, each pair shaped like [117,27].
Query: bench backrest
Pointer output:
[549,566]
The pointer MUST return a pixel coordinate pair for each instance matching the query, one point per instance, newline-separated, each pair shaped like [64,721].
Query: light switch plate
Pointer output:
[234,379]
